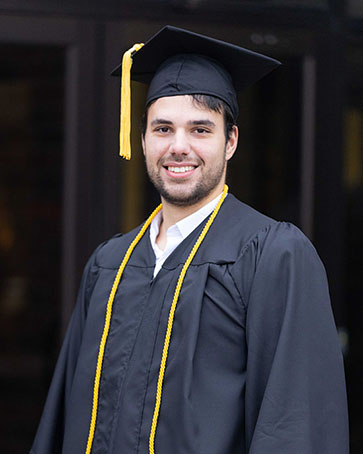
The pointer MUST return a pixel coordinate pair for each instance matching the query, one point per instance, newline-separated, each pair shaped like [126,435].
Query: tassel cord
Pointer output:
[125,102]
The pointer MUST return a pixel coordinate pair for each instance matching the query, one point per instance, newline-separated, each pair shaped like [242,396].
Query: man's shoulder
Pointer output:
[236,226]
[108,253]
[240,225]
[239,222]
[236,209]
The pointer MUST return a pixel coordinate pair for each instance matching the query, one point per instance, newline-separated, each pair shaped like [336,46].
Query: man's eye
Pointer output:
[163,129]
[201,131]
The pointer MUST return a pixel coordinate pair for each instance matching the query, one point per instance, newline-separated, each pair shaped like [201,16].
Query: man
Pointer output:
[215,334]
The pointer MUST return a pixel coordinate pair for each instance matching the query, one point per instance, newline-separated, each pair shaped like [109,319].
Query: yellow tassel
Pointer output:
[125,109]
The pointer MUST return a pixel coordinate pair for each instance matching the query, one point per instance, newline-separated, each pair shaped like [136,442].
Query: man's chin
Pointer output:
[186,193]
[183,198]
[179,200]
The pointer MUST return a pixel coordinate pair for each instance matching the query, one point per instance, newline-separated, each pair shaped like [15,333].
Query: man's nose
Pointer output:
[180,143]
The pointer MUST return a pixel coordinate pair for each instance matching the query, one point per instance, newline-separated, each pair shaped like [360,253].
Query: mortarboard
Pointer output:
[179,62]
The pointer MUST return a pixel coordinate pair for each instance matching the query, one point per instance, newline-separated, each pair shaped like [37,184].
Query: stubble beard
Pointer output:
[199,192]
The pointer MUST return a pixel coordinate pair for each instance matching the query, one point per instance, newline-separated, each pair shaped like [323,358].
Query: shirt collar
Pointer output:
[188,224]
[185,226]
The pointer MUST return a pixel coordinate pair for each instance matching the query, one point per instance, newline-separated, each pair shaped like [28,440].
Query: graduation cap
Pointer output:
[179,62]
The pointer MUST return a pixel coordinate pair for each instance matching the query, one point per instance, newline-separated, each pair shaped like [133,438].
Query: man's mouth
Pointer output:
[182,169]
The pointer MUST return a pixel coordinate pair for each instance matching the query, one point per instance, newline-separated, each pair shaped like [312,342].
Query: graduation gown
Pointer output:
[254,364]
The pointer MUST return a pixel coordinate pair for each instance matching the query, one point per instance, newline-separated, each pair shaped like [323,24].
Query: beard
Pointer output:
[178,193]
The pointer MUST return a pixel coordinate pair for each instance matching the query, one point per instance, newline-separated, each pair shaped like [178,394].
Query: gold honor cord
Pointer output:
[106,328]
[179,284]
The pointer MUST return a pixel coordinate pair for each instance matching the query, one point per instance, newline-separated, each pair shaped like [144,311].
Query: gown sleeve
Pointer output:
[295,386]
[49,437]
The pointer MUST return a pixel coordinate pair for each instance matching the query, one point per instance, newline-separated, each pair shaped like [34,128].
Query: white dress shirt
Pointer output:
[177,232]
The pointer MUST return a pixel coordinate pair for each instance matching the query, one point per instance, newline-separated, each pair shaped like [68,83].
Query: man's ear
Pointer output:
[232,143]
[143,143]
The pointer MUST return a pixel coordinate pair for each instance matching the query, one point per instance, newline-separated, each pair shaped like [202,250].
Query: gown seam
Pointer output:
[206,262]
[91,281]
[237,290]
[126,368]
[244,250]
[117,267]
[147,377]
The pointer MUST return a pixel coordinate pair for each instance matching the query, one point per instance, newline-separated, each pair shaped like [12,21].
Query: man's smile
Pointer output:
[180,169]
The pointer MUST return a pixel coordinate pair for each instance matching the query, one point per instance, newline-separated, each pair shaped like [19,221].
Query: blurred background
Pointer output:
[63,188]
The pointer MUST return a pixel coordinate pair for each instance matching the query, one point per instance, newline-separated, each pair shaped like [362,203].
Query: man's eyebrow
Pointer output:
[159,121]
[202,122]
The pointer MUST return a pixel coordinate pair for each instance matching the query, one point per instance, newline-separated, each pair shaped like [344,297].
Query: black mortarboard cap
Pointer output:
[179,62]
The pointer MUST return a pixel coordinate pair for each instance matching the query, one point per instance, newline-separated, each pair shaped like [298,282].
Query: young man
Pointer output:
[215,334]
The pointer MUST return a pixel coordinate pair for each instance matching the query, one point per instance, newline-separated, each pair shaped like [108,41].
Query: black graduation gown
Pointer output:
[254,364]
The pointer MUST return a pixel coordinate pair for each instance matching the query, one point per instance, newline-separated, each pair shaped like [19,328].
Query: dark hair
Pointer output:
[206,102]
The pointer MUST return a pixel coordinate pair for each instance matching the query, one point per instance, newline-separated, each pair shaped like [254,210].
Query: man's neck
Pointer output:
[173,214]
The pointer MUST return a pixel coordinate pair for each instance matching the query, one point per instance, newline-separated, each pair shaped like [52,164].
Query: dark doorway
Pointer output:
[353,242]
[31,173]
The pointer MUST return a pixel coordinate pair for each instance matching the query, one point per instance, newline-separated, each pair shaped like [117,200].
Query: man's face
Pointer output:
[186,151]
